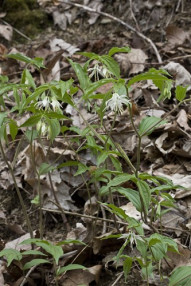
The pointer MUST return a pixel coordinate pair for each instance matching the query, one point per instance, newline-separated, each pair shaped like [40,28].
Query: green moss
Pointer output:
[26,16]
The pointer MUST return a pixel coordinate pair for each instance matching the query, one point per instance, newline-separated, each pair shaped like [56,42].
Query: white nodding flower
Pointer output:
[96,70]
[105,72]
[115,103]
[42,128]
[44,103]
[55,104]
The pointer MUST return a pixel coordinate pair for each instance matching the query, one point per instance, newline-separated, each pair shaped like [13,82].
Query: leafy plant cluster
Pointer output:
[44,103]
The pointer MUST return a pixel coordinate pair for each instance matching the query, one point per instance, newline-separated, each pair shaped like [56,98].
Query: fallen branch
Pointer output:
[91,10]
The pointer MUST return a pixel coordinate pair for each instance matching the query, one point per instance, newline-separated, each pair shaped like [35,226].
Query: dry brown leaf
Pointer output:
[97,5]
[133,62]
[165,147]
[179,73]
[82,277]
[6,32]
[15,244]
[172,219]
[178,259]
[62,19]
[16,228]
[175,36]
[78,233]
[178,179]
[183,120]
[2,270]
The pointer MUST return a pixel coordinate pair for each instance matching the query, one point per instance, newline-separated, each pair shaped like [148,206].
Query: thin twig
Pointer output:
[133,15]
[16,30]
[118,278]
[86,216]
[27,275]
[91,10]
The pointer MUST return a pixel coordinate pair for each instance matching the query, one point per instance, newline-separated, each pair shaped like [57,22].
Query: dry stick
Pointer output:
[27,275]
[118,278]
[133,16]
[17,31]
[119,21]
[86,216]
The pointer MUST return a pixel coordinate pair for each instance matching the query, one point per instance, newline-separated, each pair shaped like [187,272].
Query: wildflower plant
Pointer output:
[44,104]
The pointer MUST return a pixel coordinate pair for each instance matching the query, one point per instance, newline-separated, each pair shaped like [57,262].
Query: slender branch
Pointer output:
[91,10]
[85,216]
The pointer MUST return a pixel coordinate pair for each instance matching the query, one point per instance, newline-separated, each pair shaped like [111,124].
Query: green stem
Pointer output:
[110,131]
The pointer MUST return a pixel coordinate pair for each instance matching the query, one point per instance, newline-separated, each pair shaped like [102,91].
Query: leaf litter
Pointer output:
[166,152]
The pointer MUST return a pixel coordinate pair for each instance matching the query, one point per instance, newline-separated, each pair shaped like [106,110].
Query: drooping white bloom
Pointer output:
[42,128]
[99,69]
[96,70]
[55,104]
[116,102]
[44,103]
[105,72]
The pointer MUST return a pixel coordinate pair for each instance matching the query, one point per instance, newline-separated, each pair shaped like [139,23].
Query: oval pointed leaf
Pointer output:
[115,50]
[145,194]
[34,262]
[33,120]
[148,124]
[180,276]
[70,267]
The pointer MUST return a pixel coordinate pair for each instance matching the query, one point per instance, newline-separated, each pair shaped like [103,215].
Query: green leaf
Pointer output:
[70,267]
[89,91]
[13,128]
[118,180]
[152,74]
[81,169]
[39,90]
[131,195]
[127,266]
[11,254]
[181,92]
[81,74]
[69,241]
[36,61]
[148,124]
[116,163]
[45,168]
[33,252]
[27,78]
[180,276]
[31,135]
[111,64]
[68,163]
[33,120]
[142,248]
[145,194]
[55,250]
[20,57]
[165,88]
[115,50]
[118,211]
[3,115]
[34,262]
[36,200]
[54,126]
[102,157]
[120,88]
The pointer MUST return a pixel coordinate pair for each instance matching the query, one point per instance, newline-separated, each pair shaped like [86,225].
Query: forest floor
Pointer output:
[167,152]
